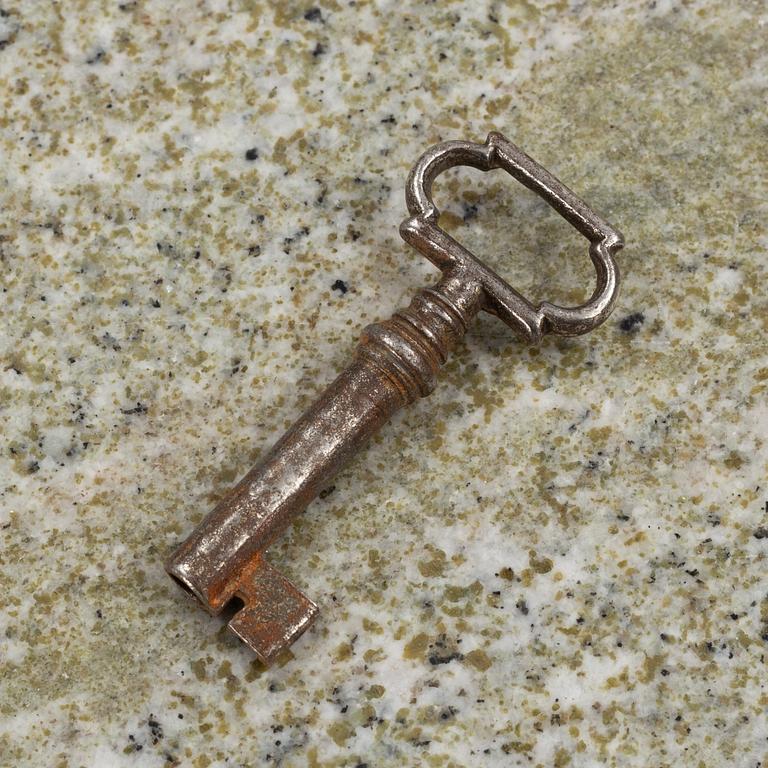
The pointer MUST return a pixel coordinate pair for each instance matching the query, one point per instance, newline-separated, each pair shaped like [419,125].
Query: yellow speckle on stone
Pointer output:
[478,659]
[651,665]
[454,593]
[539,564]
[435,565]
[520,747]
[373,655]
[599,434]
[372,626]
[636,539]
[416,647]
[343,651]
[340,731]
[198,667]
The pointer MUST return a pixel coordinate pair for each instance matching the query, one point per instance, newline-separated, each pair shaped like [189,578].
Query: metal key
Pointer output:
[395,363]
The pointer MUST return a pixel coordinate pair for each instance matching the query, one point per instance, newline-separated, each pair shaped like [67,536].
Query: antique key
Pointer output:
[395,363]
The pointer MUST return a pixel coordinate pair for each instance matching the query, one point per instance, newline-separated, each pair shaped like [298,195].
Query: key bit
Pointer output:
[396,362]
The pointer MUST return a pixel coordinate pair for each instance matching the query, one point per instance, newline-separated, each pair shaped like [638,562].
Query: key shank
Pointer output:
[395,363]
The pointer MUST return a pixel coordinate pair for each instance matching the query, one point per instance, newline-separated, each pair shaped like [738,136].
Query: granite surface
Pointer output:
[559,558]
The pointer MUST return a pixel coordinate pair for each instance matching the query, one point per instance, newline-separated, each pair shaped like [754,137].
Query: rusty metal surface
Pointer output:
[396,362]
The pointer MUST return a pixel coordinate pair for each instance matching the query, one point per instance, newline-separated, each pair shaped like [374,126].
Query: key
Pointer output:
[395,363]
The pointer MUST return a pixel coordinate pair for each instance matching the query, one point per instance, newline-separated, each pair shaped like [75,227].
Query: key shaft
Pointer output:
[396,362]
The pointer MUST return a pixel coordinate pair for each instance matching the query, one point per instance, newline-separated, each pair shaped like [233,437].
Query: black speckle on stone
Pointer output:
[252,154]
[631,322]
[110,341]
[99,614]
[470,211]
[154,728]
[254,250]
[761,533]
[444,658]
[326,492]
[340,286]
[155,303]
[97,57]
[140,408]
[33,467]
[522,606]
[320,199]
[319,50]
[313,14]
[390,120]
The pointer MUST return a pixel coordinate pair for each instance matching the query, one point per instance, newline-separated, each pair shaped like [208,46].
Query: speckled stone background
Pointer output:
[557,559]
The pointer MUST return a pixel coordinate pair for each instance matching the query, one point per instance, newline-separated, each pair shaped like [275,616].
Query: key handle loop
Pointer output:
[421,230]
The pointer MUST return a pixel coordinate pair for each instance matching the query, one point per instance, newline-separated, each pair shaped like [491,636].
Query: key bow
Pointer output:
[531,322]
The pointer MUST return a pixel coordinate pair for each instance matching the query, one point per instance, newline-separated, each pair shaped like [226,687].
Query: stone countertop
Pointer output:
[558,558]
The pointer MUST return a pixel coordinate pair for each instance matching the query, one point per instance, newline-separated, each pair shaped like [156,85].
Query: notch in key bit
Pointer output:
[396,362]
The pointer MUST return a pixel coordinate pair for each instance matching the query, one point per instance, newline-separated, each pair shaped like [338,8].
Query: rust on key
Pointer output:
[396,362]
